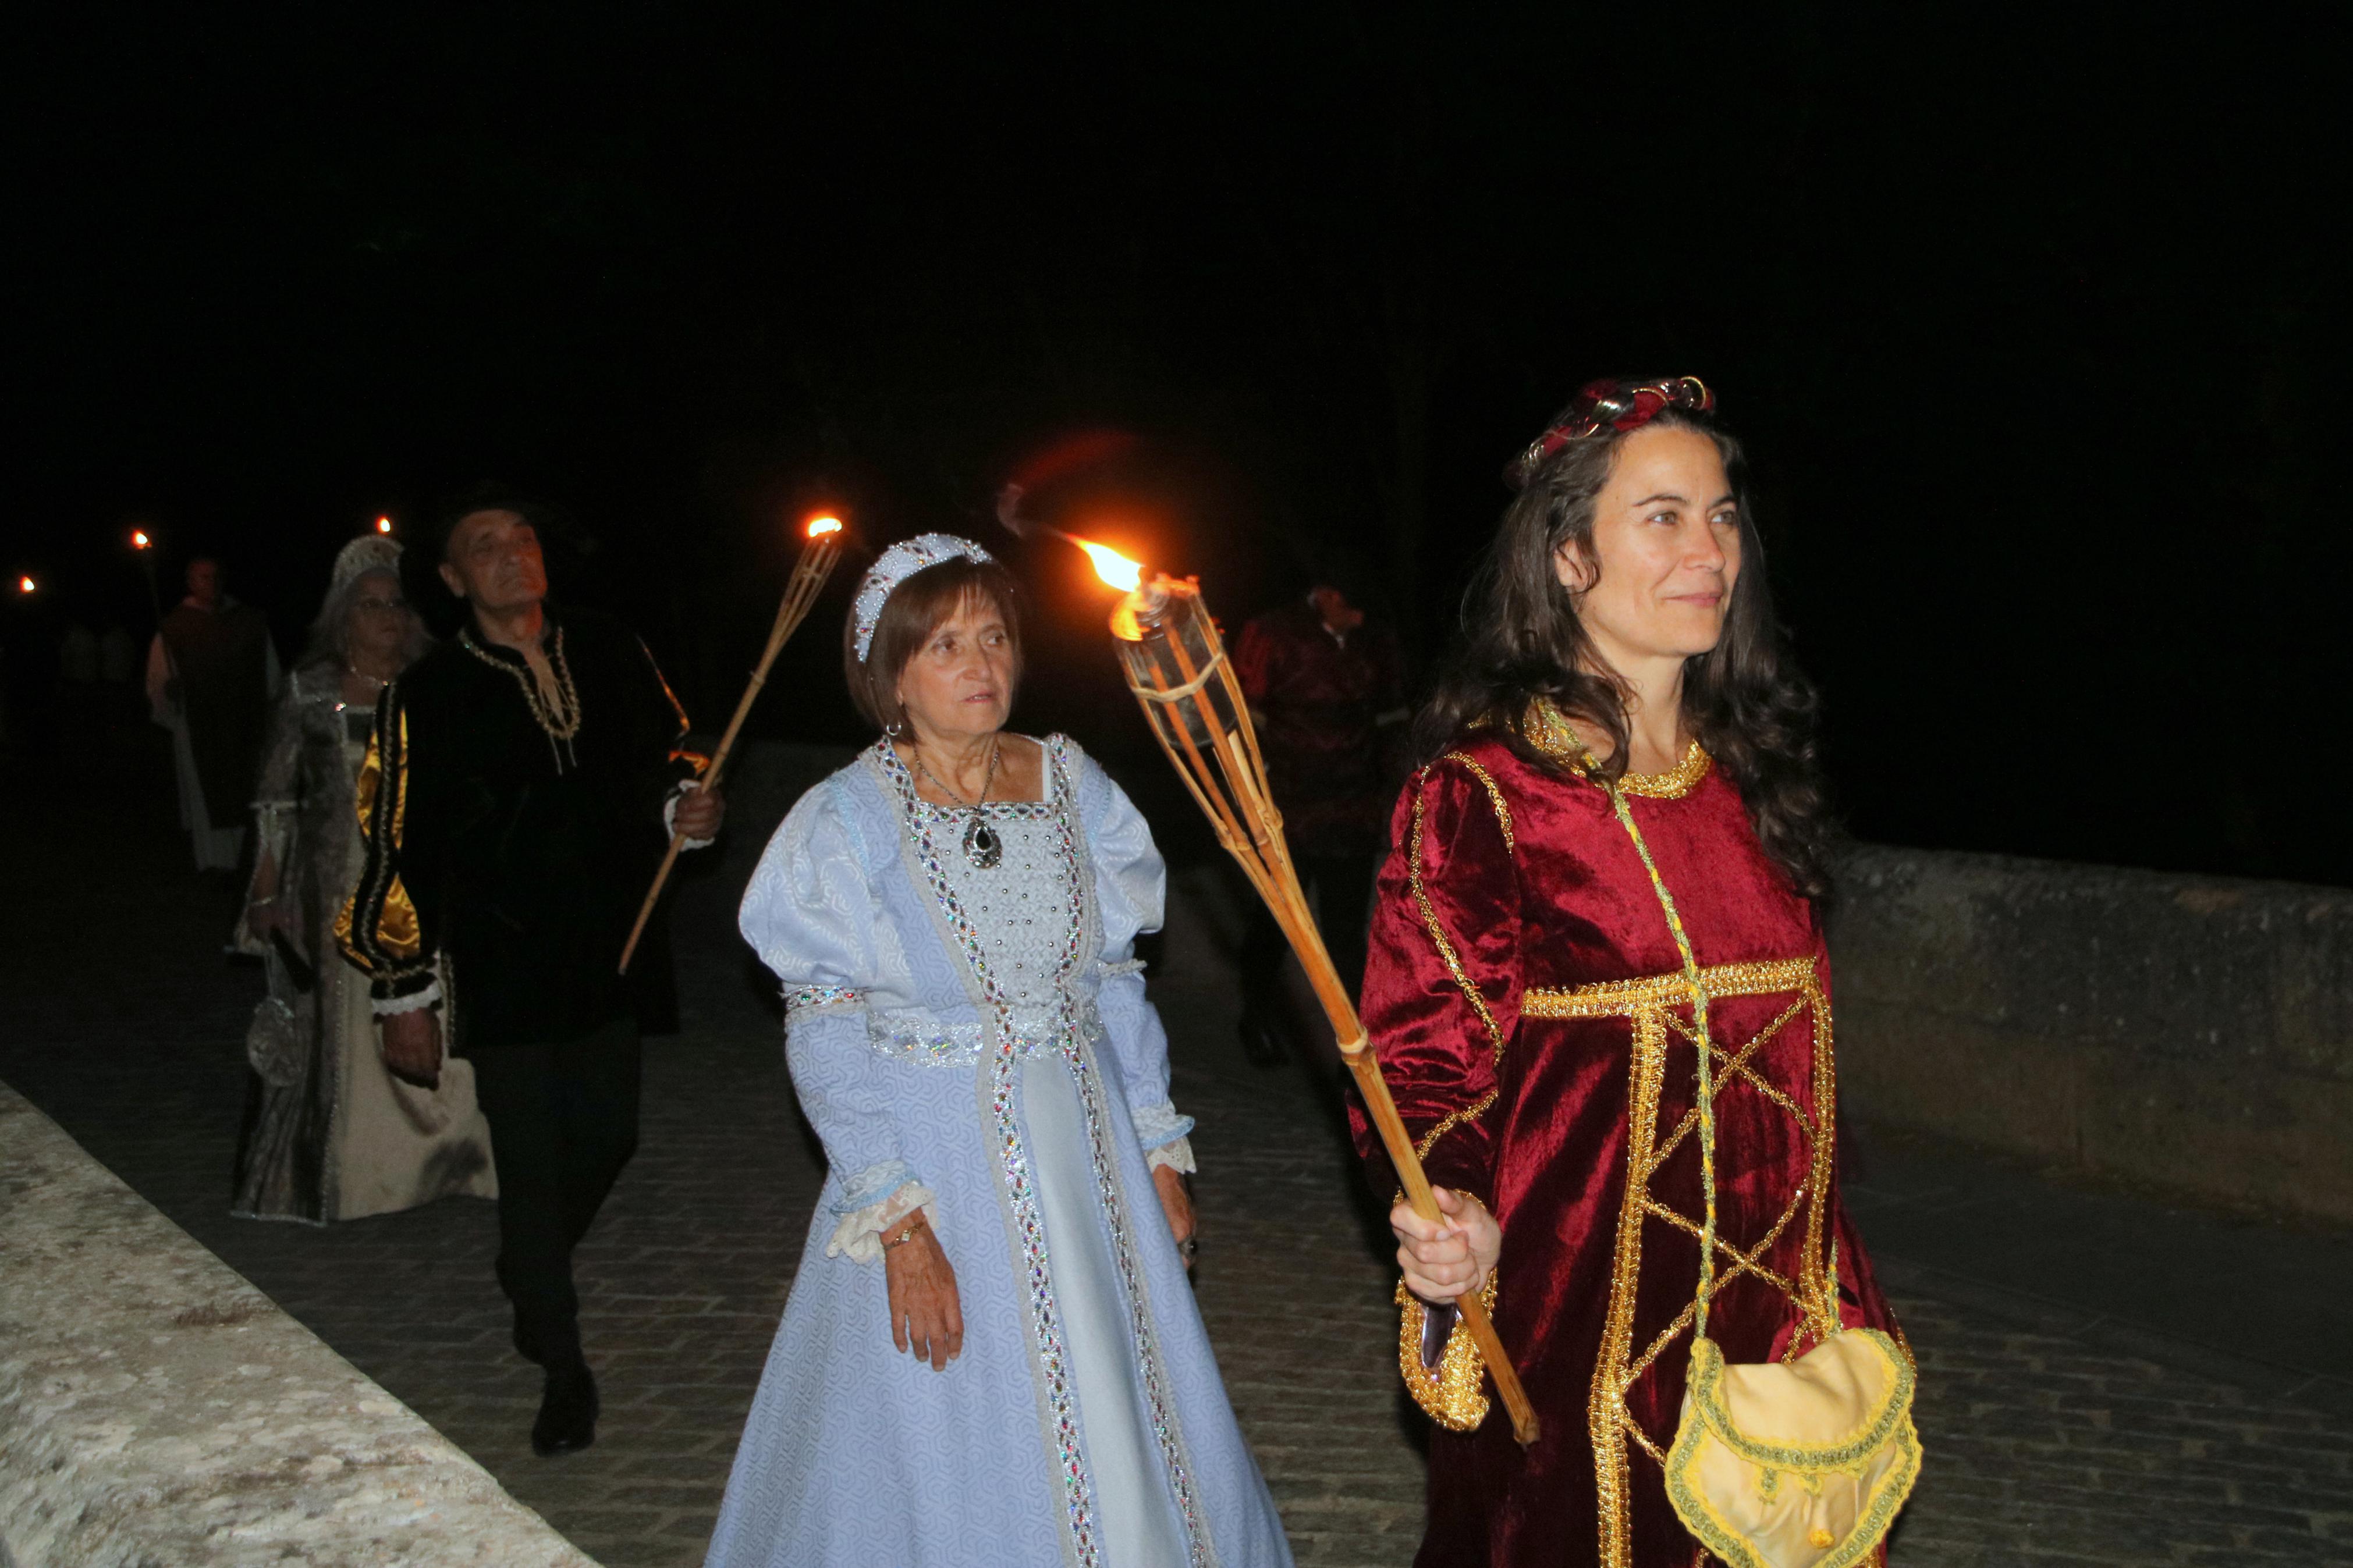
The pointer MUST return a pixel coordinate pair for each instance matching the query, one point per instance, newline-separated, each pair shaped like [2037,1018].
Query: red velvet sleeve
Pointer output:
[1442,977]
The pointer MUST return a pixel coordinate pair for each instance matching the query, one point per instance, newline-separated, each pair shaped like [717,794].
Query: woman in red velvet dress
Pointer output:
[1529,1003]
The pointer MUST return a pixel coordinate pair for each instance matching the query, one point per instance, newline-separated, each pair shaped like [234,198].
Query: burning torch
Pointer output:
[820,547]
[1175,664]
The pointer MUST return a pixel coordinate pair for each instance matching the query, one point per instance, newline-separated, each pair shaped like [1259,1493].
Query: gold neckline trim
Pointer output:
[1548,730]
[1672,786]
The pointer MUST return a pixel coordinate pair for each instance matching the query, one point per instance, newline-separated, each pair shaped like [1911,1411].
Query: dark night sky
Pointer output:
[2020,318]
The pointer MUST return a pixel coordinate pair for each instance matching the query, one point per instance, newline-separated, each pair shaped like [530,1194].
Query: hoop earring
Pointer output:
[893,730]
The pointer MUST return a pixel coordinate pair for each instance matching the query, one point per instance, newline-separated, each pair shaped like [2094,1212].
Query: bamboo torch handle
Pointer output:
[710,780]
[653,894]
[807,579]
[1207,747]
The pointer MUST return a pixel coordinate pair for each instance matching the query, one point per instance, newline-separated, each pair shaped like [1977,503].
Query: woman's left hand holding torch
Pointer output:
[1450,1256]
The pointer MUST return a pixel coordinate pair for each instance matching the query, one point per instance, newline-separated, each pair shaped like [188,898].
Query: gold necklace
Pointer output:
[557,711]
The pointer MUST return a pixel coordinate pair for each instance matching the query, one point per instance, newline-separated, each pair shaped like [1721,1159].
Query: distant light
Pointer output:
[383,525]
[25,585]
[1112,566]
[825,524]
[139,540]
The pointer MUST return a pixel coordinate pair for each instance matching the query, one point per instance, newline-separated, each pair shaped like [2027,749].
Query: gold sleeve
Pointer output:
[378,929]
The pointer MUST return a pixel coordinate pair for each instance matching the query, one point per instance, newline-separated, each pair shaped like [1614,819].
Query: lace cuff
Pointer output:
[872,1184]
[1158,1124]
[1176,1154]
[859,1237]
[385,1007]
[670,814]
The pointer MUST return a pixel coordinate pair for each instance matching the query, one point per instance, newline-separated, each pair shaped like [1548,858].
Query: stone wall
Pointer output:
[2191,1033]
[155,1408]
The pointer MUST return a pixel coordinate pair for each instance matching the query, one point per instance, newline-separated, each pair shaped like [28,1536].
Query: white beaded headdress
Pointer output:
[368,552]
[898,564]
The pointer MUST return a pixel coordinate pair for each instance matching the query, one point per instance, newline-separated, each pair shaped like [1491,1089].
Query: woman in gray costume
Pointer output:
[329,1134]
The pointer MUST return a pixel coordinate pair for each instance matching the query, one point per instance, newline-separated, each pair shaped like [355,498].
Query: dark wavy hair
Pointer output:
[1745,698]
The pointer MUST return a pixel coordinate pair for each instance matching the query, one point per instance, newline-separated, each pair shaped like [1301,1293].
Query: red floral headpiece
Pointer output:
[1610,405]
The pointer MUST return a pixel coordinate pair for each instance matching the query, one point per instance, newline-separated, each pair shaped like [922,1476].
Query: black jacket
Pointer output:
[519,858]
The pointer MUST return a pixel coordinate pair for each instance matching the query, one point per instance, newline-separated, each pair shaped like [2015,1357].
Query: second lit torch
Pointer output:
[820,550]
[1175,664]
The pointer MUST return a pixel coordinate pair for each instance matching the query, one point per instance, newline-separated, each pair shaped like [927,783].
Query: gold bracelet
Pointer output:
[906,1235]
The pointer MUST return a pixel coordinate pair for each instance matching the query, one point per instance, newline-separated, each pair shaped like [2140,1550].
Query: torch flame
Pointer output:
[383,525]
[139,540]
[25,585]
[1112,566]
[818,527]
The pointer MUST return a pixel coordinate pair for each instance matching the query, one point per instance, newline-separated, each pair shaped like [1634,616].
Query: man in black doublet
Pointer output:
[515,802]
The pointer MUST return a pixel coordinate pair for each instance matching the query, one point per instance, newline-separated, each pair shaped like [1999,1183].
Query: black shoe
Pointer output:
[567,1412]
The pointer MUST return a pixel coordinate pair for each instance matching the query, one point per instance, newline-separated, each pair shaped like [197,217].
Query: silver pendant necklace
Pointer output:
[982,845]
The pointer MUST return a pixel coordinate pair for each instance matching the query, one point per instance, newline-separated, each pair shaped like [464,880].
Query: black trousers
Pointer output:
[1340,892]
[563,1121]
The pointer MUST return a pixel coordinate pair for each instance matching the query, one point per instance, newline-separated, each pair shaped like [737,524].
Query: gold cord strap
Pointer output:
[1695,981]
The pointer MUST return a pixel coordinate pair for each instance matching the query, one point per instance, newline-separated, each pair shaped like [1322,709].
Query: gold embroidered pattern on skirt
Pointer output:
[1658,1007]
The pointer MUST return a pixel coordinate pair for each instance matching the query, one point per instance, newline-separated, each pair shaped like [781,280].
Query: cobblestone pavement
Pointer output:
[2054,1435]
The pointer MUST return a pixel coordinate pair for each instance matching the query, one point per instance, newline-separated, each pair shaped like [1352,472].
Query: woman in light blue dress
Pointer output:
[991,1354]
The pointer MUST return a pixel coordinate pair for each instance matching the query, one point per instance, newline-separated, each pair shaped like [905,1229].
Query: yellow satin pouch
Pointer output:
[1801,1466]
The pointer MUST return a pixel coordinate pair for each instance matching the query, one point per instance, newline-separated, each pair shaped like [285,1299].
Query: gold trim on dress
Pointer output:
[1448,1124]
[1494,794]
[1548,728]
[1614,999]
[1430,915]
[1454,1393]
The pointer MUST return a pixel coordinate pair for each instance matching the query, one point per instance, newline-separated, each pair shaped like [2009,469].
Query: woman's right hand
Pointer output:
[926,1318]
[412,1046]
[1448,1257]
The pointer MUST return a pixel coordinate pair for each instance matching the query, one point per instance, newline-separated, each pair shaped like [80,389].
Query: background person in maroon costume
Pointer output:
[212,672]
[1323,682]
[1525,988]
